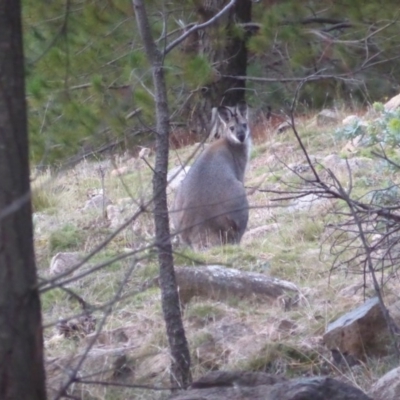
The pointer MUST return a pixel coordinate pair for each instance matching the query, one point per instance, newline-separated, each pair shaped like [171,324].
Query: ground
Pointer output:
[290,239]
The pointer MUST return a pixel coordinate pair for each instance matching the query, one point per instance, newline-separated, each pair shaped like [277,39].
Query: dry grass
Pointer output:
[238,334]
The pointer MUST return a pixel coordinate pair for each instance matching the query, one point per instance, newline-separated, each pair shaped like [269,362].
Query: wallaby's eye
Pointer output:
[232,128]
[244,126]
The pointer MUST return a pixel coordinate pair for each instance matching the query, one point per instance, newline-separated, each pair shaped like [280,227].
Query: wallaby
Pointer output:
[211,206]
[216,125]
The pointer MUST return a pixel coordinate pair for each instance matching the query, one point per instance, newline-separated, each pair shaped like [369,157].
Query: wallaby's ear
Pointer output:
[242,109]
[214,124]
[225,114]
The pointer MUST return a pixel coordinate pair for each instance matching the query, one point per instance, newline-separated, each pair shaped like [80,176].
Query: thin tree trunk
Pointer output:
[21,346]
[180,371]
[227,52]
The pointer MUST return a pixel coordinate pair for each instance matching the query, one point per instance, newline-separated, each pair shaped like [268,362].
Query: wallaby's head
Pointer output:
[234,122]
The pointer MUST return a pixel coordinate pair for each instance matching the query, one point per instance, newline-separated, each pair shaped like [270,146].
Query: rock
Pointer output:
[63,262]
[259,232]
[221,283]
[114,215]
[260,386]
[394,312]
[343,360]
[359,332]
[332,161]
[299,168]
[97,202]
[235,379]
[342,166]
[317,388]
[176,175]
[126,202]
[308,202]
[351,120]
[352,145]
[387,387]
[393,103]
[108,364]
[358,164]
[337,165]
[92,192]
[327,117]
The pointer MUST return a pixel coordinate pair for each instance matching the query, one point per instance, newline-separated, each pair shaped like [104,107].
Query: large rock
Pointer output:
[327,117]
[261,386]
[351,120]
[360,332]
[97,202]
[64,262]
[341,166]
[387,387]
[107,364]
[236,378]
[393,103]
[309,202]
[259,232]
[114,216]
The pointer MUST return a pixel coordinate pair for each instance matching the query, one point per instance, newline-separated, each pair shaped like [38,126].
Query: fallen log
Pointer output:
[220,283]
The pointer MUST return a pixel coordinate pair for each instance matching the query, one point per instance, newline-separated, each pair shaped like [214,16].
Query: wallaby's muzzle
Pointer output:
[241,136]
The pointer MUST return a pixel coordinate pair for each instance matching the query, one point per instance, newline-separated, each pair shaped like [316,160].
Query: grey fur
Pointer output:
[211,206]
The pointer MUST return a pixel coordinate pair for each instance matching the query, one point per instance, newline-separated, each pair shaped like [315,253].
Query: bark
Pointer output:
[227,52]
[21,345]
[180,371]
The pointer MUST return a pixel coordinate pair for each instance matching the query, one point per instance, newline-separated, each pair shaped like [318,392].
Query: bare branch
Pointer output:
[311,78]
[197,27]
[333,40]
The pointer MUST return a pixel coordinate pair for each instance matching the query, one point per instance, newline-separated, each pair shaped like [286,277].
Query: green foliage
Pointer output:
[384,130]
[198,71]
[70,72]
[87,71]
[68,237]
[350,131]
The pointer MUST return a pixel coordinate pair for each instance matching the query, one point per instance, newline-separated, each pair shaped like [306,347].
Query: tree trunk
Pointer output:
[227,51]
[21,346]
[180,371]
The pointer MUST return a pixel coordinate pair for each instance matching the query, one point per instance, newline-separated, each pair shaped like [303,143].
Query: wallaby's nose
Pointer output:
[241,135]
